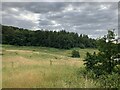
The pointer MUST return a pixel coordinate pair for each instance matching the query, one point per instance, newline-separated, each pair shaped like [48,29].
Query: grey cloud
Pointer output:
[81,17]
[36,7]
[60,1]
[12,21]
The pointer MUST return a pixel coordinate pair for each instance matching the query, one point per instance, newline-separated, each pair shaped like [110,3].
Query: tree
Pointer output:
[62,39]
[90,60]
[107,58]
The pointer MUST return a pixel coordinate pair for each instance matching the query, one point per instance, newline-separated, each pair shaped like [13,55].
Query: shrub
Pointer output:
[109,81]
[75,53]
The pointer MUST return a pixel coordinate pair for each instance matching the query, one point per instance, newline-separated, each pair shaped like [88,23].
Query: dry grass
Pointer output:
[28,68]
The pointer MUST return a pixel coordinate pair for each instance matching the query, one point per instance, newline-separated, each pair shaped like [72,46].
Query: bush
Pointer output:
[104,81]
[75,53]
[109,81]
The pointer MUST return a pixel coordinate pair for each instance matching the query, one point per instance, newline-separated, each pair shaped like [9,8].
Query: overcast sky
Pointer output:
[93,18]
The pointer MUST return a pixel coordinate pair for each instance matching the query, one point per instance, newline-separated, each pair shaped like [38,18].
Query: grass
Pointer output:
[30,67]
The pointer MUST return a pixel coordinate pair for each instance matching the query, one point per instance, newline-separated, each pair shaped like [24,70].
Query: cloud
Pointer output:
[92,18]
[60,1]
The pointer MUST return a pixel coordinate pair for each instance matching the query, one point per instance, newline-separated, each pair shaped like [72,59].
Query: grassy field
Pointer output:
[39,67]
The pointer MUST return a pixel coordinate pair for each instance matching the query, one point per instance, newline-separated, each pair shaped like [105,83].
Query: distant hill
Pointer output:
[62,39]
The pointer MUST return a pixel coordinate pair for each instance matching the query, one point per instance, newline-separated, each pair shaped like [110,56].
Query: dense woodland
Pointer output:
[62,39]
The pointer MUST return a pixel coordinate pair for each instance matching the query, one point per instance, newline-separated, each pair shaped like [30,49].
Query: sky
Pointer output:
[91,18]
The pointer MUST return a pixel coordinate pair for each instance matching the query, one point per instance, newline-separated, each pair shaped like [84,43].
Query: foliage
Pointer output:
[62,39]
[107,58]
[104,81]
[109,81]
[75,53]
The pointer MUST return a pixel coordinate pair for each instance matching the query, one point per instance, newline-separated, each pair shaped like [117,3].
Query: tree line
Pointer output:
[62,39]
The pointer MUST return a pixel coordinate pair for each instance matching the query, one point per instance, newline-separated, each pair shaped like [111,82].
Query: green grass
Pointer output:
[30,67]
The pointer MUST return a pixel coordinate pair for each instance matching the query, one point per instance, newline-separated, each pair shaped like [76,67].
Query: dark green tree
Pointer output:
[107,58]
[75,54]
[62,39]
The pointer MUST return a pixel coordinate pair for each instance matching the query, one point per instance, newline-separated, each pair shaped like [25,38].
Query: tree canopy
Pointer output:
[62,39]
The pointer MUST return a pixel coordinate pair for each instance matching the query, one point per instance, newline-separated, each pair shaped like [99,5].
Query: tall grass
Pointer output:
[29,67]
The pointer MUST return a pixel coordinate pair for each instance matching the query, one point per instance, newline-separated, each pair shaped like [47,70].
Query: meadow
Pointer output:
[43,67]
